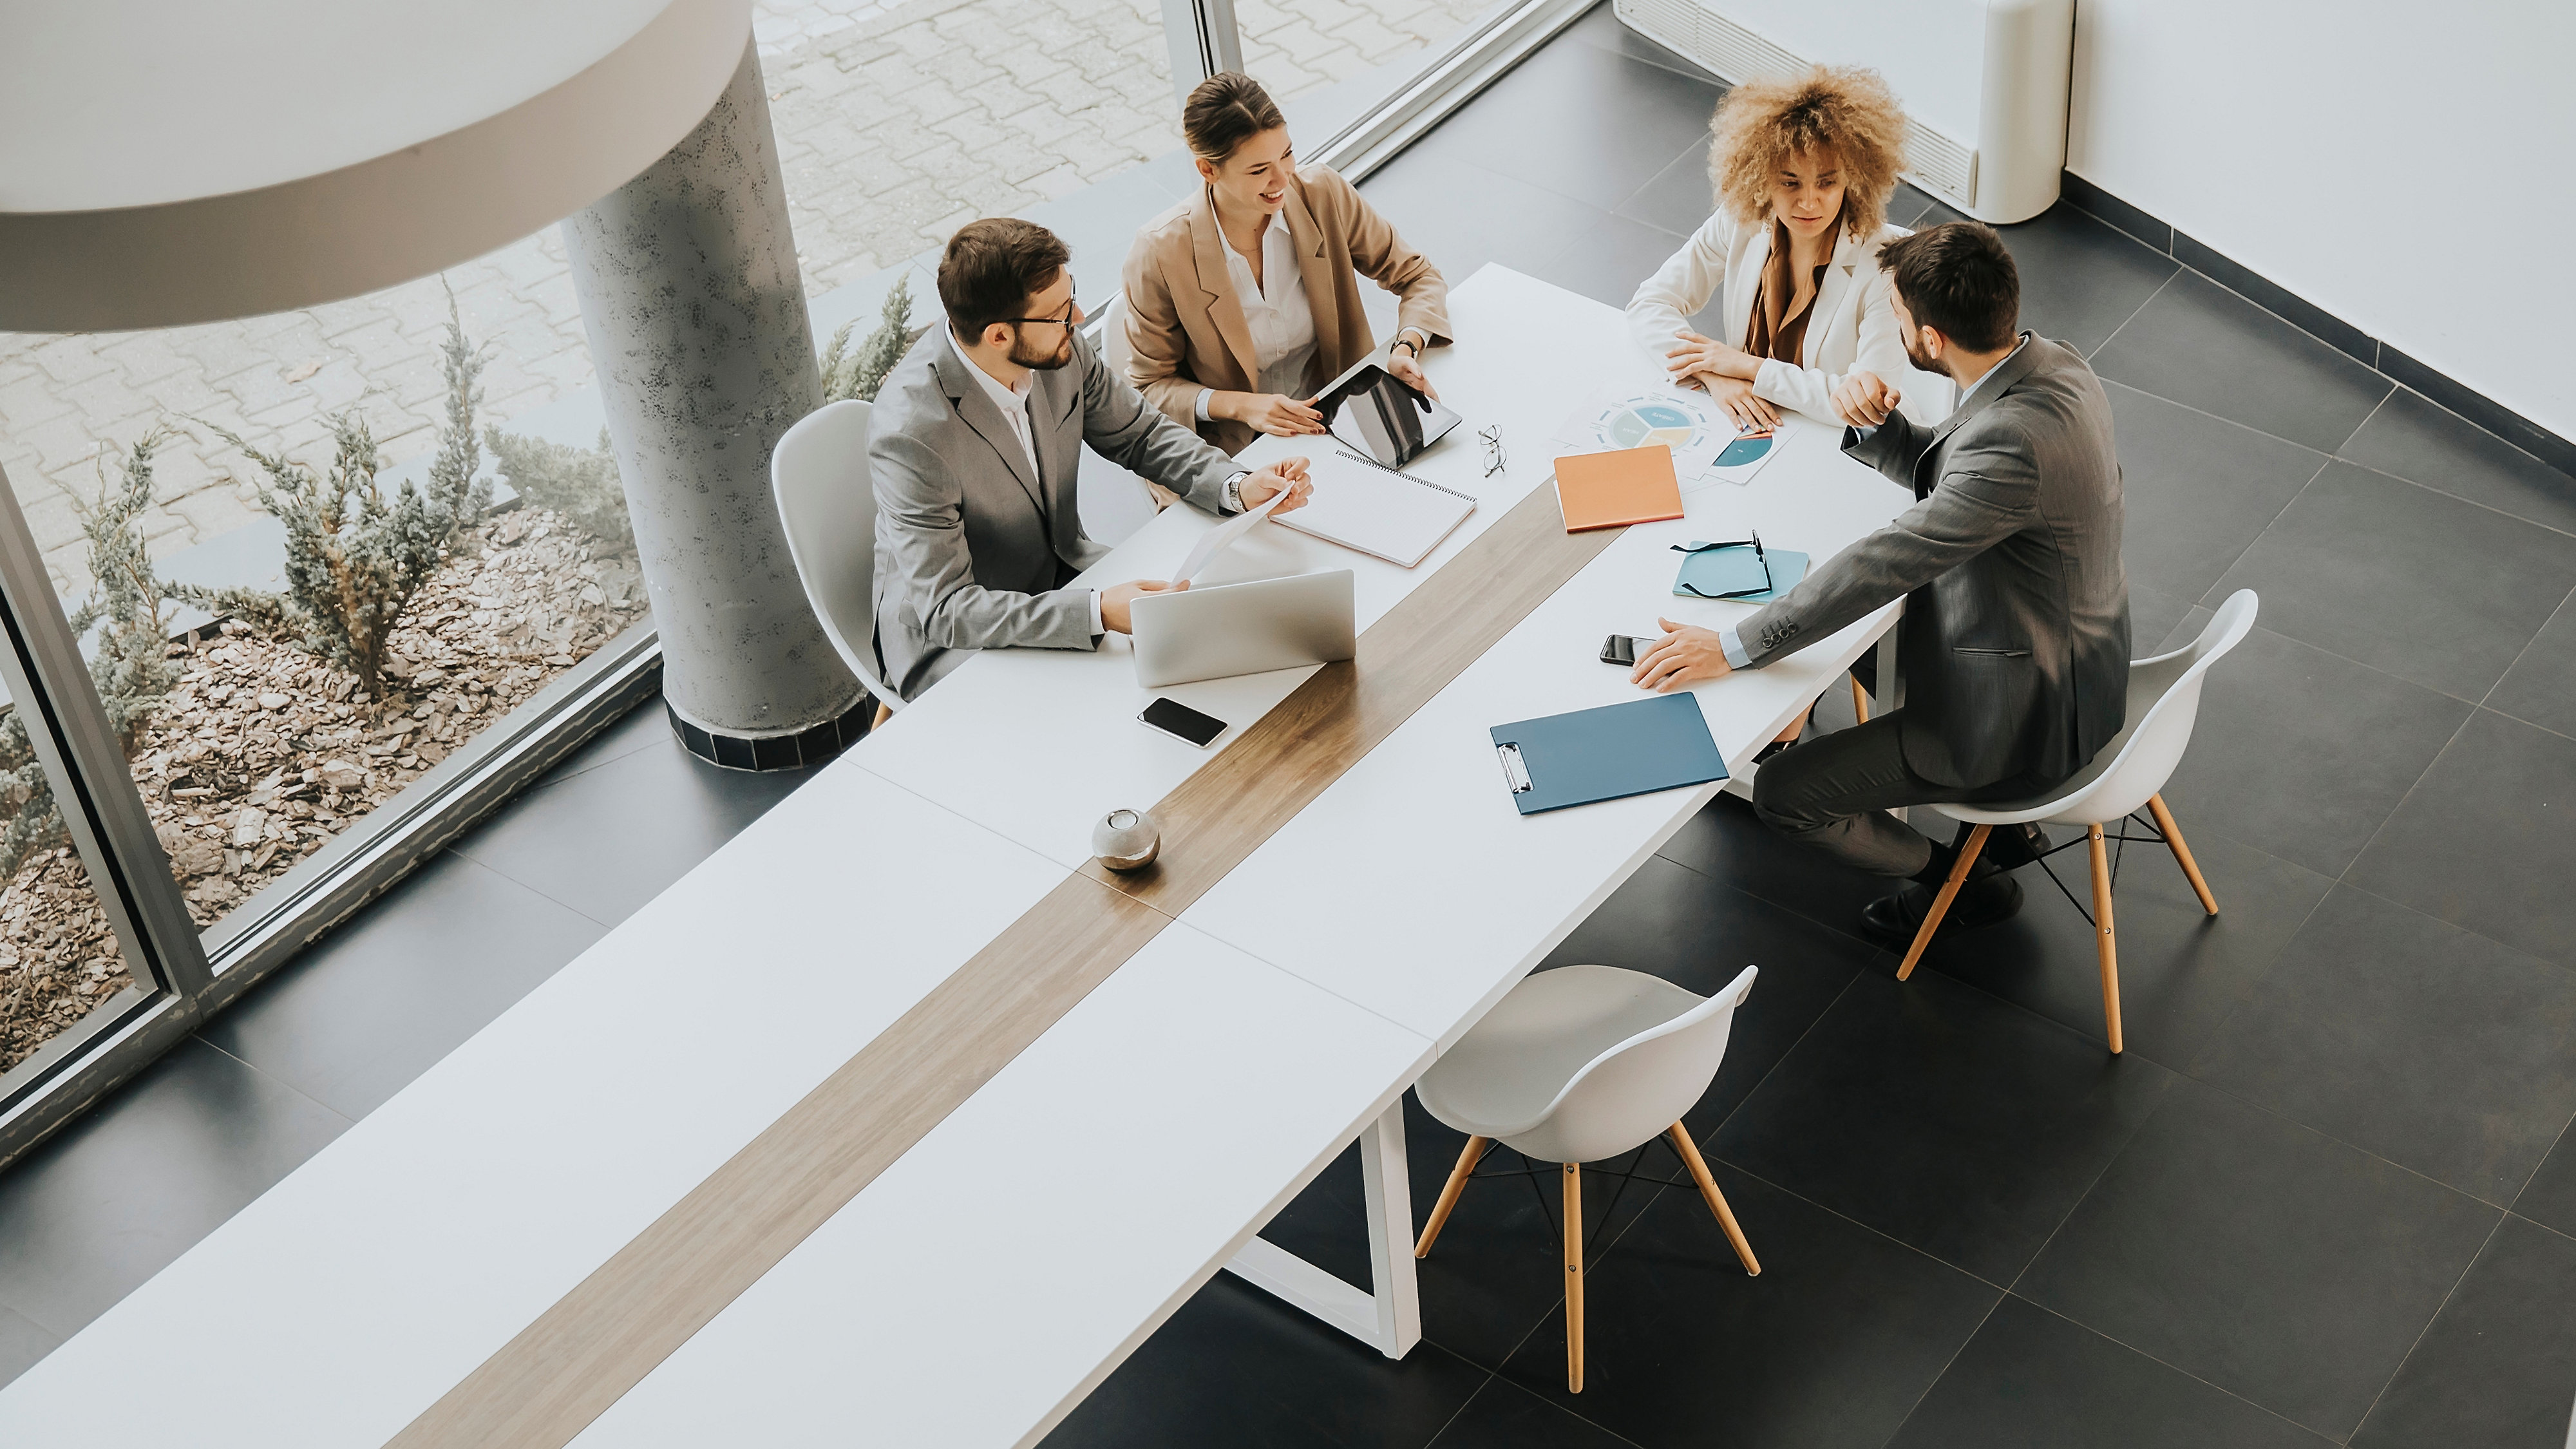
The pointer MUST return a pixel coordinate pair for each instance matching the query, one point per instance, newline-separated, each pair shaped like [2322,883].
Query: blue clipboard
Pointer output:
[1608,753]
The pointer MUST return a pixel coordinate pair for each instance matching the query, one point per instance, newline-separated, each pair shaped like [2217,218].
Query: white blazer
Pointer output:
[1852,322]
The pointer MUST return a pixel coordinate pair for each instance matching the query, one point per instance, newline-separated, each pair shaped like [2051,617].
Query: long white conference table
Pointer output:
[996,1114]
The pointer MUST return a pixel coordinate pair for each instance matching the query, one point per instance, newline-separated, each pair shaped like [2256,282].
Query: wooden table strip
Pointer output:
[547,1384]
[562,1371]
[1221,814]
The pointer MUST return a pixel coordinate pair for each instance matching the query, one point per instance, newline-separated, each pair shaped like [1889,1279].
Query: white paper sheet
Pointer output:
[1680,419]
[1218,539]
[1742,474]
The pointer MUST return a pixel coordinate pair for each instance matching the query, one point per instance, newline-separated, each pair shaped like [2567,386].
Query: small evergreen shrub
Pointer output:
[859,374]
[132,668]
[355,558]
[579,484]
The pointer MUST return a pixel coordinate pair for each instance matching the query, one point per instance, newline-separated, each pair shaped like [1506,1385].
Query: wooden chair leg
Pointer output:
[1573,1278]
[1860,701]
[1716,1200]
[1449,1194]
[1941,902]
[884,713]
[2103,938]
[2182,853]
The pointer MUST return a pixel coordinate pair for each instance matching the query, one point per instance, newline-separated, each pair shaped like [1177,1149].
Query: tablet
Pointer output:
[1378,415]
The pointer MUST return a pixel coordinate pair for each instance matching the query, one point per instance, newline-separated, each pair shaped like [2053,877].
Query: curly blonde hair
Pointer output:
[1848,110]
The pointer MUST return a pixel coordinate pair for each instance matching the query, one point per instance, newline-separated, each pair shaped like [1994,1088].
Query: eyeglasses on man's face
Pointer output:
[1068,321]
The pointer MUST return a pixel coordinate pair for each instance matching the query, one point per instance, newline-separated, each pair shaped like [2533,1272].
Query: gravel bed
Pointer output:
[262,752]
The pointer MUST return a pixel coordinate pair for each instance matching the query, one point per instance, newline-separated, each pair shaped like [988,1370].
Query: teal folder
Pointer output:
[1608,753]
[1734,572]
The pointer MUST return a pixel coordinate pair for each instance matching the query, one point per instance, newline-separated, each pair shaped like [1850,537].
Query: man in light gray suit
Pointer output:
[2014,647]
[974,449]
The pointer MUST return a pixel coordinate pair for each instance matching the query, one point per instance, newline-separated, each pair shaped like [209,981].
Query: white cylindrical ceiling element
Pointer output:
[165,162]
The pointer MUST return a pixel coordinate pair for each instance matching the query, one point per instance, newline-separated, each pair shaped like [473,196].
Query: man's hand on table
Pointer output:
[1686,654]
[1287,474]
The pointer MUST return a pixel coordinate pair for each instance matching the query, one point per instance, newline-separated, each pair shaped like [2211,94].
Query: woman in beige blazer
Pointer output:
[1802,169]
[1244,301]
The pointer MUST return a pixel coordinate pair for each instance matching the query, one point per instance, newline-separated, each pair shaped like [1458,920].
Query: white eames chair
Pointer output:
[828,507]
[2127,775]
[1576,1065]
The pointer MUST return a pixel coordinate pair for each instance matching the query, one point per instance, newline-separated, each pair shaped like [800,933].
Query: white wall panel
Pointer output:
[1931,51]
[2394,163]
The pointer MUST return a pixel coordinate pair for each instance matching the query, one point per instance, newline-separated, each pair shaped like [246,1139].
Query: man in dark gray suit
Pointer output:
[2014,649]
[974,450]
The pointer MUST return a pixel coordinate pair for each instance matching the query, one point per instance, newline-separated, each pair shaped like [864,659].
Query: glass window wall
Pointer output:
[1342,57]
[311,556]
[324,567]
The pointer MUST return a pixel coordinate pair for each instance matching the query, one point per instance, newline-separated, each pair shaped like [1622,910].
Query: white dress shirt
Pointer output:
[1851,324]
[1275,312]
[1013,400]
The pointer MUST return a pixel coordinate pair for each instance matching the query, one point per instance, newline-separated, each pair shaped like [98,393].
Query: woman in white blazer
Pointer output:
[1802,170]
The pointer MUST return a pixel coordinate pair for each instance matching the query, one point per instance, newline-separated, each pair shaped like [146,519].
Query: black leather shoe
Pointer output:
[1983,901]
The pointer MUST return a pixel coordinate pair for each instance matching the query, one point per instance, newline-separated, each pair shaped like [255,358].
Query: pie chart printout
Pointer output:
[1704,444]
[1634,425]
[1615,419]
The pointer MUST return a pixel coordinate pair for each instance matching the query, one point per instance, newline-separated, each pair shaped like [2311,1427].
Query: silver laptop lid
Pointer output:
[1213,631]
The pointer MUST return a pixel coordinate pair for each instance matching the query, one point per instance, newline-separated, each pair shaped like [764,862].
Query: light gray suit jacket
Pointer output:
[972,552]
[2015,644]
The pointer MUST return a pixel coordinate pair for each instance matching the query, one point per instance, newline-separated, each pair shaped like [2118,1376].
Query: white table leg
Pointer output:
[1390,1319]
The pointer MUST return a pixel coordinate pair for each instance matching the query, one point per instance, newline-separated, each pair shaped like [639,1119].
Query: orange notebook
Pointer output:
[1613,490]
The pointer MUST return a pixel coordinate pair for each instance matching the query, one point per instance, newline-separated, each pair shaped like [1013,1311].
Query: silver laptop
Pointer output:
[1212,631]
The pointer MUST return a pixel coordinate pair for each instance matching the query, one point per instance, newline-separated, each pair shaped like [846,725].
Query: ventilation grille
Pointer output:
[1942,165]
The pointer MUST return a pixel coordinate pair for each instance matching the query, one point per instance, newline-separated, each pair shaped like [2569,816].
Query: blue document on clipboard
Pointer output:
[1608,753]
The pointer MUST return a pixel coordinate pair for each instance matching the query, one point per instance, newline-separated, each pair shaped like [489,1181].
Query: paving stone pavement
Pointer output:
[896,122]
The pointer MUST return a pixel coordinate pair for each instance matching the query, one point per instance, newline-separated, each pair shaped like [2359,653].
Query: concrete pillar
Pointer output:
[696,315]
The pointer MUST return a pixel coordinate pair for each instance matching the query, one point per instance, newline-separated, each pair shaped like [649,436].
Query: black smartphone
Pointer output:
[1182,722]
[1625,649]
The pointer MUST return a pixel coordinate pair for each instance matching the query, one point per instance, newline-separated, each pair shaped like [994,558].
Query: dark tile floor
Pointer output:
[2323,1198]
[2327,1196]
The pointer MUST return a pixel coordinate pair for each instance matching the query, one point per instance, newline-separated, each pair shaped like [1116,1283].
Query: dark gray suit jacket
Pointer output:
[2015,644]
[972,552]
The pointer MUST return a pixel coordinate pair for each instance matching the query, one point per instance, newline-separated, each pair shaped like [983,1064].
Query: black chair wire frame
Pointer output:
[1536,1170]
[2152,837]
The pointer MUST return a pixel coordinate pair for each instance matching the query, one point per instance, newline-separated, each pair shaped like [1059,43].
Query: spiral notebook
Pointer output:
[1378,511]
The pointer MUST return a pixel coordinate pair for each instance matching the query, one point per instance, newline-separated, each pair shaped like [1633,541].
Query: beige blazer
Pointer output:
[1852,322]
[1185,328]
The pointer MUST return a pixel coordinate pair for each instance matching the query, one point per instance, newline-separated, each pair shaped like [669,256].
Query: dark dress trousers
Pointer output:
[2015,640]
